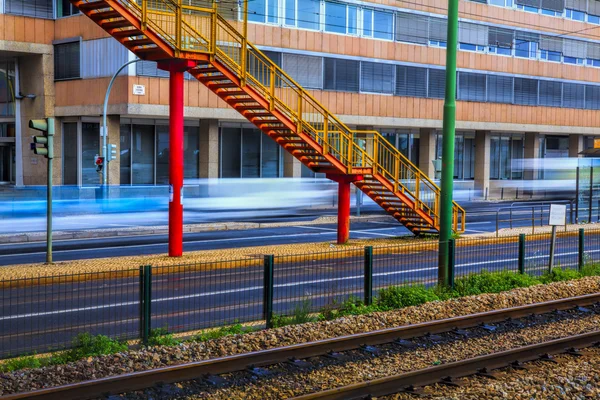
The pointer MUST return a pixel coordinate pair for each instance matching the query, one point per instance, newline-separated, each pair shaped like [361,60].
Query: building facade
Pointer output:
[528,86]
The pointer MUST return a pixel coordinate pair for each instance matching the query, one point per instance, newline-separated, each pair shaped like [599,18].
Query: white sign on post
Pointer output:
[558,214]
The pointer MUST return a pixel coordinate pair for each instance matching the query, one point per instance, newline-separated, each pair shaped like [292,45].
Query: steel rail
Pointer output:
[239,362]
[458,369]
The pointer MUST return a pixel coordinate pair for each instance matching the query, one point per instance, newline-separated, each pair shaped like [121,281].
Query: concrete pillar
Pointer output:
[292,168]
[114,137]
[482,163]
[427,143]
[209,149]
[576,145]
[532,151]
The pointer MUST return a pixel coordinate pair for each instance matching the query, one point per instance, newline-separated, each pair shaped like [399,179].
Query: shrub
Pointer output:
[352,306]
[86,345]
[590,270]
[15,364]
[236,329]
[559,275]
[487,282]
[404,296]
[161,337]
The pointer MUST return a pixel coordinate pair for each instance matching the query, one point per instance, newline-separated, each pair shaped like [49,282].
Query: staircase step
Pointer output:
[138,42]
[127,33]
[96,5]
[123,23]
[106,14]
[222,85]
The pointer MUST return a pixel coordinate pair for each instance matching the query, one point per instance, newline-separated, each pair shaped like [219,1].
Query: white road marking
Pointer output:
[369,232]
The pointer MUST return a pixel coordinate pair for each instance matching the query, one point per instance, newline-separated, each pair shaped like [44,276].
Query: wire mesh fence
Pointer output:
[316,281]
[47,313]
[199,296]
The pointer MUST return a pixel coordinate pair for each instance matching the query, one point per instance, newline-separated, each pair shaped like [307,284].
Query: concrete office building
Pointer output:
[528,87]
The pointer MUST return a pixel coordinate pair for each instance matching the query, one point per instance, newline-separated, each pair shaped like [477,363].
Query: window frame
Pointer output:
[63,42]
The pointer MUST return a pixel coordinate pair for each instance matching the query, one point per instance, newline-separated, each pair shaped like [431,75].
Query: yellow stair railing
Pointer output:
[193,28]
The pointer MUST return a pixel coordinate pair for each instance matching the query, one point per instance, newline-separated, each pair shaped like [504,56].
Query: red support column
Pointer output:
[343,233]
[176,69]
[344,181]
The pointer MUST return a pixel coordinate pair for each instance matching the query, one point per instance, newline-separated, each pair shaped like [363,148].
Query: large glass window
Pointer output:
[309,14]
[270,158]
[70,150]
[162,154]
[251,153]
[306,70]
[90,148]
[367,28]
[142,162]
[341,74]
[191,152]
[125,154]
[64,8]
[335,17]
[506,157]
[377,77]
[411,81]
[7,89]
[231,152]
[464,155]
[405,140]
[248,153]
[30,8]
[384,25]
[525,48]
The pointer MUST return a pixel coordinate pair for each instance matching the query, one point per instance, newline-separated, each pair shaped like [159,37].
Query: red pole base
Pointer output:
[176,69]
[343,228]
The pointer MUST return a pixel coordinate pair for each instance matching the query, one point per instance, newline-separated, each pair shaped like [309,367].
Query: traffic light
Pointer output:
[46,126]
[112,152]
[99,161]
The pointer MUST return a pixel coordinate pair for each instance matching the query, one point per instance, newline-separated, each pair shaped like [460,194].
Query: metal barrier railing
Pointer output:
[534,213]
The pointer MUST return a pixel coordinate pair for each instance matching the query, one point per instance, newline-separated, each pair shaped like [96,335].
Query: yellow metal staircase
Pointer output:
[241,75]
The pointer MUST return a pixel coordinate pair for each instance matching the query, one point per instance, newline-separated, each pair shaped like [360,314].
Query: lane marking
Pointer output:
[364,232]
[254,288]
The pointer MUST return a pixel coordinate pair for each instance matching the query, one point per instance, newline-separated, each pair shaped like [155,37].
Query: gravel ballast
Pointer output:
[155,357]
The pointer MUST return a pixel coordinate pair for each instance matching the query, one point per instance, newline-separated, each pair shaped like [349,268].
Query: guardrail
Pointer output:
[45,313]
[533,213]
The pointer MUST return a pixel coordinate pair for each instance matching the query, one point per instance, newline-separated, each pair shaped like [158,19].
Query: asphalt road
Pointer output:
[481,217]
[44,316]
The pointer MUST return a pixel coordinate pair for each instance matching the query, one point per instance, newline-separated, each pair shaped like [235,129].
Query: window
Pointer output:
[7,89]
[64,8]
[142,157]
[574,60]
[500,41]
[526,91]
[471,87]
[367,22]
[550,93]
[30,8]
[593,54]
[290,12]
[150,68]
[499,89]
[263,10]
[551,13]
[309,14]
[550,55]
[501,3]
[411,81]
[125,154]
[593,19]
[503,51]
[90,148]
[573,95]
[593,62]
[526,49]
[352,20]
[438,31]
[66,61]
[231,150]
[506,155]
[436,83]
[162,154]
[335,17]
[472,37]
[377,77]
[247,153]
[464,157]
[413,28]
[341,75]
[384,25]
[528,8]
[592,97]
[306,70]
[437,43]
[575,15]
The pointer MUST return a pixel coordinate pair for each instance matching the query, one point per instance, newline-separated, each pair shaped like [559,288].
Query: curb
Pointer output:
[34,237]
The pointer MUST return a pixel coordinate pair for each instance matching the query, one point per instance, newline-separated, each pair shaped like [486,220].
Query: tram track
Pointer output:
[208,369]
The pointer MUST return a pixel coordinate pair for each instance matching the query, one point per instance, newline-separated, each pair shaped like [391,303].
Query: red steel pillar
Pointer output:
[344,181]
[176,69]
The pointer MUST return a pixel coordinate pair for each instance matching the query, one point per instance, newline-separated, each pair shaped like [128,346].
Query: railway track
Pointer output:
[208,369]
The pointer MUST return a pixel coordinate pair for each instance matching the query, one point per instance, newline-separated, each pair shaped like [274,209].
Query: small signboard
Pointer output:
[597,143]
[139,90]
[558,214]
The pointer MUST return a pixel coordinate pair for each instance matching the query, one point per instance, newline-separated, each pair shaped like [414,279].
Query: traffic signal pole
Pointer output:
[448,145]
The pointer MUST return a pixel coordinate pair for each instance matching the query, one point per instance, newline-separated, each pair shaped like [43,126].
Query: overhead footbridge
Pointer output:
[195,37]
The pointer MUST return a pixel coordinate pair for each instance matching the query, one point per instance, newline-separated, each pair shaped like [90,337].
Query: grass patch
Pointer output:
[18,363]
[161,337]
[300,315]
[590,270]
[404,296]
[491,282]
[236,329]
[560,275]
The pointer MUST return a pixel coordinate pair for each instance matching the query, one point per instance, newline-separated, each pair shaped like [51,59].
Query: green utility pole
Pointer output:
[46,126]
[448,145]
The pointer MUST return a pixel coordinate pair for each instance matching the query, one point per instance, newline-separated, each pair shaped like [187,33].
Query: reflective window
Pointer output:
[504,51]
[573,60]
[90,148]
[526,49]
[162,154]
[471,47]
[125,154]
[142,155]
[7,89]
[550,55]
[64,8]
[384,25]
[464,155]
[30,8]
[335,17]
[67,61]
[248,153]
[309,14]
[593,19]
[575,15]
[367,22]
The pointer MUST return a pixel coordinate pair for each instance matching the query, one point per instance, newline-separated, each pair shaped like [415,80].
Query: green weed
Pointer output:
[161,337]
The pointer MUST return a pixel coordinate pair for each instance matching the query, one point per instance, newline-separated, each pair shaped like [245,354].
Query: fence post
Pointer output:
[268,290]
[368,275]
[145,302]
[522,253]
[451,260]
[581,249]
